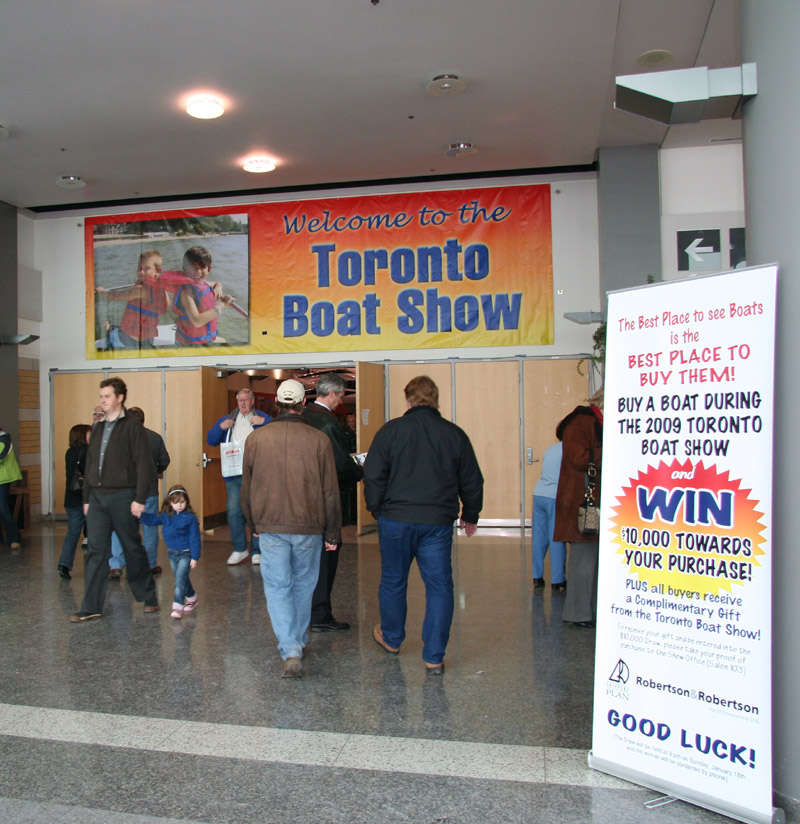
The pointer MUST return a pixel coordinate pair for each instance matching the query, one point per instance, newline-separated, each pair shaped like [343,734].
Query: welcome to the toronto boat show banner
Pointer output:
[683,668]
[442,269]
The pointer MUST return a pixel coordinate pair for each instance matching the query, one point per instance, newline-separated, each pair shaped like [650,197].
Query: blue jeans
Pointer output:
[180,563]
[7,516]
[289,568]
[75,521]
[543,524]
[236,519]
[431,545]
[149,539]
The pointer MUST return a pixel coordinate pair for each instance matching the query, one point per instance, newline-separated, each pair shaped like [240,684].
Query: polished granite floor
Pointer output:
[142,719]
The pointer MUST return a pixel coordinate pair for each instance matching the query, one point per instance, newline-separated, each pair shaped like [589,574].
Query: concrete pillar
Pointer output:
[9,365]
[629,210]
[770,33]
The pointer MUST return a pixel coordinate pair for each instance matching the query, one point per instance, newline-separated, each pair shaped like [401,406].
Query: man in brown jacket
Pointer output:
[290,497]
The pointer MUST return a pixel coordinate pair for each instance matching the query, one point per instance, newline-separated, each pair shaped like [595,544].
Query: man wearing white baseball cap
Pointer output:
[290,497]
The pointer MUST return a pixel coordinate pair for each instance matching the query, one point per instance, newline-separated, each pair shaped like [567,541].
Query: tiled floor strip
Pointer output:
[326,749]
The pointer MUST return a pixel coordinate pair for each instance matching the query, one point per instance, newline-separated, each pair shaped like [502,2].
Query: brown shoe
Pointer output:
[114,574]
[151,606]
[80,617]
[292,668]
[156,570]
[434,669]
[378,636]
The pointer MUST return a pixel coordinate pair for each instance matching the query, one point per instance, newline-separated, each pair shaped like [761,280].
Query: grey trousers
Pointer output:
[581,600]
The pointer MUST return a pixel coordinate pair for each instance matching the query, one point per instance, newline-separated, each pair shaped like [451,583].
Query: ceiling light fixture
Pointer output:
[70,182]
[655,57]
[461,149]
[259,165]
[205,106]
[446,85]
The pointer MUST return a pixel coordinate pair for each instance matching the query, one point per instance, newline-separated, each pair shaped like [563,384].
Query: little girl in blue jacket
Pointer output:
[181,533]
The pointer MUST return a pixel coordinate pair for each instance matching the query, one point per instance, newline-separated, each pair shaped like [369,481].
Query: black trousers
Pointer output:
[111,512]
[321,611]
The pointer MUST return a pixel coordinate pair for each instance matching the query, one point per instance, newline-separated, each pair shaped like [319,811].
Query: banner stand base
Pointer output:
[676,791]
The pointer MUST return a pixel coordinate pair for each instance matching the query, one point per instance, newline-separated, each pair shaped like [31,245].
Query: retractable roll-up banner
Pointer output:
[682,699]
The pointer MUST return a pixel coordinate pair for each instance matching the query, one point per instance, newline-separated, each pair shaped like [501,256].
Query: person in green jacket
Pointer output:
[9,472]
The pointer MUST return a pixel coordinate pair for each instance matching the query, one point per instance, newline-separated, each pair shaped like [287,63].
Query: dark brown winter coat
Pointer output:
[582,436]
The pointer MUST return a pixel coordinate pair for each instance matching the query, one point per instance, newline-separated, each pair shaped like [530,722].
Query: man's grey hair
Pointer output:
[247,392]
[330,382]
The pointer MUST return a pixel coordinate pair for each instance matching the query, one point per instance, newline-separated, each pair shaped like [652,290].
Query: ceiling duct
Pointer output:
[687,95]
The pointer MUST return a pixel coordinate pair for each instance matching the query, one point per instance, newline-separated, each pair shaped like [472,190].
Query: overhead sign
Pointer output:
[419,270]
[683,660]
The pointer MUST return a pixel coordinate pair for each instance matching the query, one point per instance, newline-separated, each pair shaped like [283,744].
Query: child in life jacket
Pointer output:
[197,304]
[146,302]
[181,533]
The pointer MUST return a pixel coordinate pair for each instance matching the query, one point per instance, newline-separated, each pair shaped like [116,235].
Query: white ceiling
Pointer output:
[334,90]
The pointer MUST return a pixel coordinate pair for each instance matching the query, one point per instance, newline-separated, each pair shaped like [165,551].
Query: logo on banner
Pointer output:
[618,680]
[689,531]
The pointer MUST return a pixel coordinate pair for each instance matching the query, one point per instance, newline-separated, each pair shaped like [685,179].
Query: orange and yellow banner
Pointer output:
[406,271]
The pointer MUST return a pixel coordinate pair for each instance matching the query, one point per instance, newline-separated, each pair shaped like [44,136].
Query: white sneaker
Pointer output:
[255,558]
[237,557]
[177,610]
[190,603]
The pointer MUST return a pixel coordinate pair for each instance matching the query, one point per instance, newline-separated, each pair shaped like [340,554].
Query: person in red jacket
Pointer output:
[196,302]
[147,301]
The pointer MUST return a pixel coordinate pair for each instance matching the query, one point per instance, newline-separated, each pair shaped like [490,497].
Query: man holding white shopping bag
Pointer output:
[229,433]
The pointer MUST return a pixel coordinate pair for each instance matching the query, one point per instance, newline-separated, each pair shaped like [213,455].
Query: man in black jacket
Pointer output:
[161,461]
[117,480]
[330,392]
[417,469]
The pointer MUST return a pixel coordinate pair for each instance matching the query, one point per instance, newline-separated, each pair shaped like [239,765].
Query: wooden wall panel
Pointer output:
[74,397]
[487,409]
[401,373]
[28,441]
[144,391]
[184,435]
[370,417]
[552,389]
[28,389]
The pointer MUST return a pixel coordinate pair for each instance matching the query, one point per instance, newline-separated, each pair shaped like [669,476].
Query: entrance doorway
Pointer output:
[508,408]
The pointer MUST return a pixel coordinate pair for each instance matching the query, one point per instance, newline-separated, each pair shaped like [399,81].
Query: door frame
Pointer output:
[390,402]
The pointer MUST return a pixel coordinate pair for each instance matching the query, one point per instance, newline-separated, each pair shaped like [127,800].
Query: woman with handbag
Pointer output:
[581,433]
[75,460]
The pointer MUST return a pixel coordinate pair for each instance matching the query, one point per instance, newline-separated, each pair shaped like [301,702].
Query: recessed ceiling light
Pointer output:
[655,57]
[70,182]
[446,85]
[461,149]
[205,106]
[259,165]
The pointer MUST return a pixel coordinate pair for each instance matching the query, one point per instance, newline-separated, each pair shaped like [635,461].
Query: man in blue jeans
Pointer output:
[417,469]
[236,428]
[290,497]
